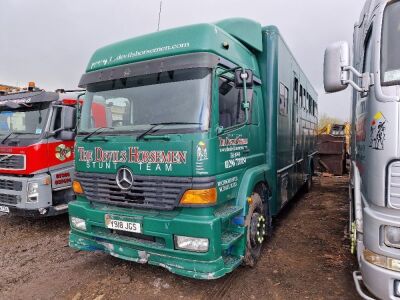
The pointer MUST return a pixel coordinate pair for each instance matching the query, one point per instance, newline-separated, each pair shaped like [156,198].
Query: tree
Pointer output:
[325,120]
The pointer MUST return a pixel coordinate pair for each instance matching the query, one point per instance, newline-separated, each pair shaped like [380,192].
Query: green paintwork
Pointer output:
[189,39]
[274,144]
[246,31]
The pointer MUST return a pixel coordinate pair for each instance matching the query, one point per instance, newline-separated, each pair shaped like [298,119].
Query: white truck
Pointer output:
[374,74]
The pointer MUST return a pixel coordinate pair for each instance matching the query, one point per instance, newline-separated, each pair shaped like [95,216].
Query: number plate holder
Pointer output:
[116,223]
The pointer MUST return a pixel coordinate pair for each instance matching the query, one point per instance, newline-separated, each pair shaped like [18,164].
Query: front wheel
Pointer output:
[256,222]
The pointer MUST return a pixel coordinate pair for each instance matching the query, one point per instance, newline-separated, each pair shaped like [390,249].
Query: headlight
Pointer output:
[382,261]
[33,192]
[392,236]
[191,243]
[78,223]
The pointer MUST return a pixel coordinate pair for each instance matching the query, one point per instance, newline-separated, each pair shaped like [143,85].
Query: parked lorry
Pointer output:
[211,130]
[375,168]
[37,132]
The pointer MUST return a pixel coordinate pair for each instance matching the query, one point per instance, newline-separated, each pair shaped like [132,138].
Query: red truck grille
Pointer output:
[12,162]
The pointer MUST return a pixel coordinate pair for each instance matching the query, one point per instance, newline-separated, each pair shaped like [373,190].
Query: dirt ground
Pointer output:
[306,258]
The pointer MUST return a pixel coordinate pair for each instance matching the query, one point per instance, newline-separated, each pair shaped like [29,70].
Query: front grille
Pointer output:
[10,185]
[12,162]
[8,199]
[150,192]
[394,185]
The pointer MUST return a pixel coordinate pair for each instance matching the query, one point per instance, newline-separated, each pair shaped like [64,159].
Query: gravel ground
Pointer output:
[307,257]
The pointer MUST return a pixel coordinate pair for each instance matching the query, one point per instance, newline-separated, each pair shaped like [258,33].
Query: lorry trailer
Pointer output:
[37,132]
[210,130]
[374,189]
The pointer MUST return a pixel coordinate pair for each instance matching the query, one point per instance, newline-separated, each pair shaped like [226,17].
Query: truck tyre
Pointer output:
[257,221]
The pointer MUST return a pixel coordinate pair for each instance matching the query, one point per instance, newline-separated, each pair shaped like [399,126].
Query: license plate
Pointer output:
[4,209]
[123,225]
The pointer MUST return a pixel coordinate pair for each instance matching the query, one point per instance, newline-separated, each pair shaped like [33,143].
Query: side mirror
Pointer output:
[66,135]
[244,77]
[336,64]
[68,116]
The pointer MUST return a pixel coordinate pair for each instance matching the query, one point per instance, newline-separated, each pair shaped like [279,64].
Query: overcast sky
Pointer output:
[50,41]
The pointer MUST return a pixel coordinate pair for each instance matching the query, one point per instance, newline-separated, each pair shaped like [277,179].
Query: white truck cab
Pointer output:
[374,75]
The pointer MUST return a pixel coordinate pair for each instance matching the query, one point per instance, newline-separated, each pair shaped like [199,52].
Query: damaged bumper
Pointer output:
[155,244]
[189,268]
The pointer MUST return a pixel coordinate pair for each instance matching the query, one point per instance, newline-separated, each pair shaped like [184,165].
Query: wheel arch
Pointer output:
[254,179]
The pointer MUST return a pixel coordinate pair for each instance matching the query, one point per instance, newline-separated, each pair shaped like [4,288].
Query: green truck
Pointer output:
[207,132]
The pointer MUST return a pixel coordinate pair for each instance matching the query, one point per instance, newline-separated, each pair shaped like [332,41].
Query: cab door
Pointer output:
[60,154]
[234,151]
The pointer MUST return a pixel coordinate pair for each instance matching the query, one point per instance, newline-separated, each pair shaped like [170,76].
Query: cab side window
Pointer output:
[230,101]
[367,64]
[56,122]
[283,99]
[296,91]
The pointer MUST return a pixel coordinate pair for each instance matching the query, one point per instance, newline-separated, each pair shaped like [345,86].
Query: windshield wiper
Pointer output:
[154,125]
[11,133]
[95,132]
[6,138]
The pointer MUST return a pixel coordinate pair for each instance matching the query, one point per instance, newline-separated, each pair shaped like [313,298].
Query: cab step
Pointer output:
[229,238]
[232,262]
[226,213]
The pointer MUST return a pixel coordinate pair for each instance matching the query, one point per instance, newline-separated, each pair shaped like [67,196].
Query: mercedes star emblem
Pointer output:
[124,179]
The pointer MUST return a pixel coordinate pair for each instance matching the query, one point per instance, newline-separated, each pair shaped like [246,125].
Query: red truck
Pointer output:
[37,136]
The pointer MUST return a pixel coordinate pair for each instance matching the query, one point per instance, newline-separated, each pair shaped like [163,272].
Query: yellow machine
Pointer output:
[6,89]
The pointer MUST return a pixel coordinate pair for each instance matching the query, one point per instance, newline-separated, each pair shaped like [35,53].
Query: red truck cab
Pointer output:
[37,137]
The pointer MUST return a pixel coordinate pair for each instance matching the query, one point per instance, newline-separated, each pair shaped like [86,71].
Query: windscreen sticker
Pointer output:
[378,132]
[38,130]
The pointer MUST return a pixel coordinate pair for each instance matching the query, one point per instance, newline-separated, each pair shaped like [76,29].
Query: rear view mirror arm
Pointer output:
[366,82]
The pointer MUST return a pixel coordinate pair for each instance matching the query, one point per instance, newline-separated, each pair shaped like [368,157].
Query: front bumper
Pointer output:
[14,195]
[378,280]
[160,251]
[49,211]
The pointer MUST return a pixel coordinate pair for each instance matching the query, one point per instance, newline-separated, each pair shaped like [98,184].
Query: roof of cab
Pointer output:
[243,37]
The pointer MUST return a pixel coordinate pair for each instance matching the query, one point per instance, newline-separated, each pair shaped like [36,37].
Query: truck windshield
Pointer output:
[23,120]
[391,45]
[180,99]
